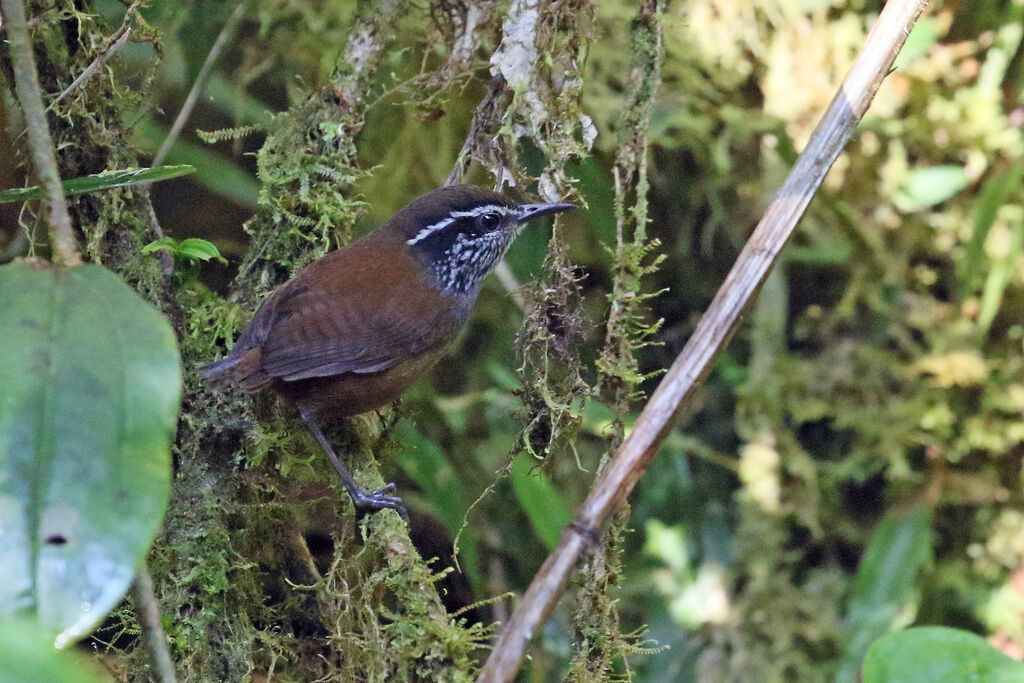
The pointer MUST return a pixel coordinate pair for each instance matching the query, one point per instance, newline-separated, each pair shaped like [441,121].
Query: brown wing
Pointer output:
[336,317]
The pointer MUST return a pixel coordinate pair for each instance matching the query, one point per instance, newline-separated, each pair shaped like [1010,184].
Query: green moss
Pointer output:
[862,382]
[240,588]
[627,328]
[600,647]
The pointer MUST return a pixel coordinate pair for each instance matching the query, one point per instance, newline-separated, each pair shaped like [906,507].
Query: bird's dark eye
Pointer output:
[489,221]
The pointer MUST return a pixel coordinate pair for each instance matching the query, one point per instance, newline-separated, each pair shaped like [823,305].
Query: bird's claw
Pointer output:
[366,503]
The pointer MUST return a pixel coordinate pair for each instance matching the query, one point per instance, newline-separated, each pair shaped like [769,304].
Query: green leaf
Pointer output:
[100,181]
[192,248]
[28,656]
[544,506]
[936,654]
[199,249]
[91,384]
[998,280]
[885,579]
[829,254]
[925,187]
[168,243]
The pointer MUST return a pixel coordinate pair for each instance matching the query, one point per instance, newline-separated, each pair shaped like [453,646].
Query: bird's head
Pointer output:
[460,232]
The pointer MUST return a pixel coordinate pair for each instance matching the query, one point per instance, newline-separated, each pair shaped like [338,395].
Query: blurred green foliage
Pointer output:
[852,465]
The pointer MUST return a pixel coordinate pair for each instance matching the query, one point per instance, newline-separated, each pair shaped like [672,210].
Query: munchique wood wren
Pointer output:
[352,330]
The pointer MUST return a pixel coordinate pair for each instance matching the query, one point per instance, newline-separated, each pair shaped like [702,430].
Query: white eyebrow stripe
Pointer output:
[455,215]
[430,230]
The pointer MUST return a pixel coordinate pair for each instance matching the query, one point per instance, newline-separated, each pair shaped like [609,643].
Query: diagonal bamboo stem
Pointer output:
[712,334]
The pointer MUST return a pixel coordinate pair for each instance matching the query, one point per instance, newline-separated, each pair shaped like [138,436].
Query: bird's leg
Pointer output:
[363,501]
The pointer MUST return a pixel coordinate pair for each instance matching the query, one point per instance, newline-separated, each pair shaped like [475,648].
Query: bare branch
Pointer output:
[44,158]
[712,334]
[197,87]
[147,611]
[123,34]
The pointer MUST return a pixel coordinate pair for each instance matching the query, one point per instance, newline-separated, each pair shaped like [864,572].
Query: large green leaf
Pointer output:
[89,389]
[937,655]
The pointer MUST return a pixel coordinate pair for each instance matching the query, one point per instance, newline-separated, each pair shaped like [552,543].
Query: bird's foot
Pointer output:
[367,503]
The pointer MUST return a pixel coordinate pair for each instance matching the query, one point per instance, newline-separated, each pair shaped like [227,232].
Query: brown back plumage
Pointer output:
[354,328]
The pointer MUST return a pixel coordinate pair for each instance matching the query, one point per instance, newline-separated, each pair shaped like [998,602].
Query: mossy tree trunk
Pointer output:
[260,567]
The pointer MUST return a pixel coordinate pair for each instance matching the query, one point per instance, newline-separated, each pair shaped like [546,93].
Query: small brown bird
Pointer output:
[356,327]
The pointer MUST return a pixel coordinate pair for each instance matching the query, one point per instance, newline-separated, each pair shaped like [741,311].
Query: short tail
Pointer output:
[243,370]
[218,369]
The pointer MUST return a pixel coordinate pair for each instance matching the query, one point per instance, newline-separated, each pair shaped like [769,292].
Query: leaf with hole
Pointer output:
[89,390]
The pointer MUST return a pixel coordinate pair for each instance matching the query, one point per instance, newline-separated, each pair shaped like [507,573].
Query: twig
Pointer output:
[147,611]
[44,158]
[487,114]
[197,87]
[712,334]
[125,33]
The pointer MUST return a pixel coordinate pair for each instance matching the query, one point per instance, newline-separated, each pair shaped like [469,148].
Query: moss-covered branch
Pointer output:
[600,645]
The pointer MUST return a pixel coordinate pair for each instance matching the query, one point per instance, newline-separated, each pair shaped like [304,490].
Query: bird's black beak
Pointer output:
[530,211]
